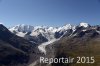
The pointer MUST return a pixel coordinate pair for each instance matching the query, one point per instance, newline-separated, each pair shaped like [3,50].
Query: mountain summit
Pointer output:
[83,24]
[22,28]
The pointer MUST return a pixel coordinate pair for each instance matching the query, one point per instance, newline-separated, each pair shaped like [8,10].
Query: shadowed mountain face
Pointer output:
[13,49]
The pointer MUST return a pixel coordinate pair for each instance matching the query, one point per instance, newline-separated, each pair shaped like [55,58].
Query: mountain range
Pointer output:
[46,33]
[22,45]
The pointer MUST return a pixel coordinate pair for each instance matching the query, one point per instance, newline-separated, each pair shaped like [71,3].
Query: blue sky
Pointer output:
[49,12]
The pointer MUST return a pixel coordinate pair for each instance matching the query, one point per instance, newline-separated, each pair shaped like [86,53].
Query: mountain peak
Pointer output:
[22,28]
[83,24]
[68,26]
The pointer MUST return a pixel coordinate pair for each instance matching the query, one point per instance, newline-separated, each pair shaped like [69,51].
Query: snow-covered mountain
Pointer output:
[22,28]
[40,32]
[84,24]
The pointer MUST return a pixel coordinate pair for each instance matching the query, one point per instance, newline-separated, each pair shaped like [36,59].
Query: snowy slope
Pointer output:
[21,34]
[47,32]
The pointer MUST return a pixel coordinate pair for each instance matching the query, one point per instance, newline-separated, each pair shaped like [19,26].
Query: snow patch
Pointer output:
[84,24]
[21,34]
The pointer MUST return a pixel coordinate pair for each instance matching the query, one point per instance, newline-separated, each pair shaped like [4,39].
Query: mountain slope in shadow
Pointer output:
[14,50]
